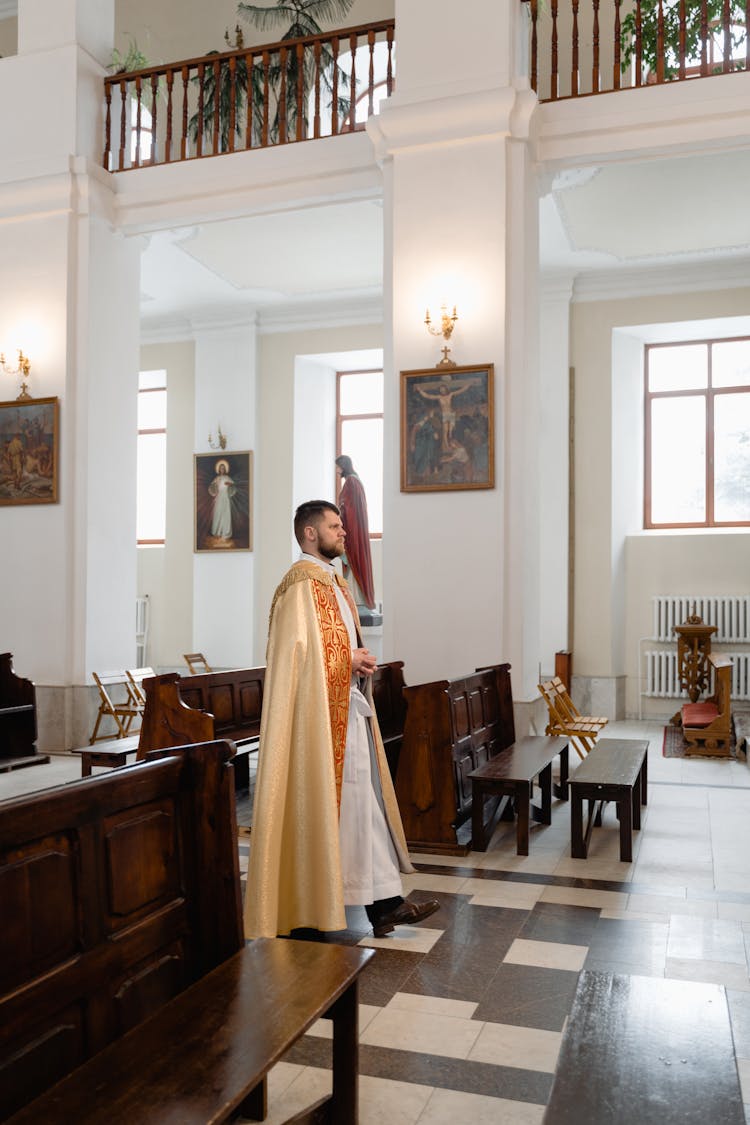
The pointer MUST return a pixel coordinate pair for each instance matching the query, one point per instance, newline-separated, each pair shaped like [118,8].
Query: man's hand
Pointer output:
[363,662]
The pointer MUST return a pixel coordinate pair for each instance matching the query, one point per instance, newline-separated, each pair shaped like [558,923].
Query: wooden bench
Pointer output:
[184,709]
[707,725]
[126,990]
[511,774]
[648,1050]
[390,708]
[452,727]
[566,720]
[615,770]
[17,719]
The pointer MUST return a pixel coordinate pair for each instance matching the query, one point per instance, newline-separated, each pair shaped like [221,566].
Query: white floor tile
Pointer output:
[426,1032]
[436,1005]
[446,1107]
[526,1048]
[547,955]
[410,939]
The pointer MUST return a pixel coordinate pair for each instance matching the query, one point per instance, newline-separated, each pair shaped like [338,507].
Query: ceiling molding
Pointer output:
[649,281]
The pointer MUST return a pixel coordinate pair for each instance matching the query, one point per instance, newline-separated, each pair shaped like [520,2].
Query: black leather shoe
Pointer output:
[407,914]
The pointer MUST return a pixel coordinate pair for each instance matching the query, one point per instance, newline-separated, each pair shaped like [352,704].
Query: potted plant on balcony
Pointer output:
[303,18]
[694,15]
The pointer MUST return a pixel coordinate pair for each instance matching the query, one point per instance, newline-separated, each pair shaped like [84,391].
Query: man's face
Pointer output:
[329,537]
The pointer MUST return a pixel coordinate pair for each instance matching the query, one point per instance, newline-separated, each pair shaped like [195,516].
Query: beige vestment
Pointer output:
[294,874]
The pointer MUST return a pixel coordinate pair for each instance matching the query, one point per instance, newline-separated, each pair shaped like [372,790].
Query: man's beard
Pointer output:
[332,552]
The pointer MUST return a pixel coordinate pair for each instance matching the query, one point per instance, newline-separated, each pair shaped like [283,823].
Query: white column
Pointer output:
[224,582]
[461,570]
[554,462]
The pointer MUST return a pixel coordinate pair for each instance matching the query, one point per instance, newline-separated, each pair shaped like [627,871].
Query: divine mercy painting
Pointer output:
[447,429]
[223,495]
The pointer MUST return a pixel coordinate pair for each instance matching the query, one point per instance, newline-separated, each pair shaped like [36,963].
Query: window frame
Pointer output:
[374,416]
[709,393]
[145,433]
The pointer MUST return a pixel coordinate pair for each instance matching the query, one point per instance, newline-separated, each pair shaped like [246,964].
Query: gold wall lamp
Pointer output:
[444,329]
[23,369]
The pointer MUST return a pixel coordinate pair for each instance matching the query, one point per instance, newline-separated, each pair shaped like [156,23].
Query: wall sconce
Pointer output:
[23,369]
[221,439]
[444,329]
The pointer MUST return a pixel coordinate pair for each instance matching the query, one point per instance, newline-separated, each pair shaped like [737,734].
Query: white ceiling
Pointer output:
[651,215]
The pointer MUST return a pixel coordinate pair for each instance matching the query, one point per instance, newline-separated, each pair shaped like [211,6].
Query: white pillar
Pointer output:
[70,299]
[224,582]
[461,570]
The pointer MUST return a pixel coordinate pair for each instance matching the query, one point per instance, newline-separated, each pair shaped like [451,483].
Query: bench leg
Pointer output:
[255,1105]
[478,838]
[625,811]
[85,765]
[577,842]
[636,803]
[523,800]
[344,1099]
[644,779]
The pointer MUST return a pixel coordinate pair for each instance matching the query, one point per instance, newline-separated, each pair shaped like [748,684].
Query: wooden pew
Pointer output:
[452,727]
[648,1050]
[707,725]
[126,990]
[17,719]
[185,709]
[390,707]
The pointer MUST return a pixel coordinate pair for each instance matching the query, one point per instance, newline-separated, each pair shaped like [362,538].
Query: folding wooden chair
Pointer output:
[136,676]
[123,712]
[565,719]
[197,663]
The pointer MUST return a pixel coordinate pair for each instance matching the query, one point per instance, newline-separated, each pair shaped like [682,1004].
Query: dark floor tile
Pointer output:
[640,944]
[454,970]
[492,927]
[385,975]
[552,921]
[432,1070]
[648,968]
[528,996]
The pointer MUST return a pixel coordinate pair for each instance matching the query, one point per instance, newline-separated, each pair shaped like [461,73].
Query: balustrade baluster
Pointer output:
[266,99]
[371,83]
[316,116]
[282,96]
[249,63]
[201,93]
[184,138]
[617,61]
[553,73]
[660,42]
[217,107]
[595,83]
[137,160]
[727,22]
[574,55]
[107,125]
[335,88]
[353,84]
[682,17]
[389,71]
[638,44]
[123,120]
[154,108]
[704,37]
[534,47]
[168,140]
[232,101]
[301,115]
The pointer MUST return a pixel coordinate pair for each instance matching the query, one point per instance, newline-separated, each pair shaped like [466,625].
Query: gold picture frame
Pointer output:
[29,451]
[447,428]
[223,489]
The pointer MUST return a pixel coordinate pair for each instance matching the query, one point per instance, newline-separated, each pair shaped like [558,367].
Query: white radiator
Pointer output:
[730,613]
[662,681]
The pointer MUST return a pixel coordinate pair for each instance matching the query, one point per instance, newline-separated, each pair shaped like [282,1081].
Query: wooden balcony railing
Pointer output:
[581,47]
[254,97]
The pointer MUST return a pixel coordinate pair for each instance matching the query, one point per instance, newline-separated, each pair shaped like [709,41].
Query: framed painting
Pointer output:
[447,429]
[29,451]
[223,497]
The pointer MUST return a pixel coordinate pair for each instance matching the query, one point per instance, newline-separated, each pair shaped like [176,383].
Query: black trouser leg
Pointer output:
[382,906]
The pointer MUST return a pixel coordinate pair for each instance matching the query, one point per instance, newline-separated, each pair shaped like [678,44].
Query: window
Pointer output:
[697,428]
[359,434]
[151,504]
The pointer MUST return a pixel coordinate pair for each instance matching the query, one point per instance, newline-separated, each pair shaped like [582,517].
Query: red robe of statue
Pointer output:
[353,508]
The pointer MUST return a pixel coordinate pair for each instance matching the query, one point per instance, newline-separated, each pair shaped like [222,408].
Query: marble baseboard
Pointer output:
[65,715]
[599,695]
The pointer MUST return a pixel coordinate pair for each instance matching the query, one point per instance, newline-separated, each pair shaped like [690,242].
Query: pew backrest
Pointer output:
[116,893]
